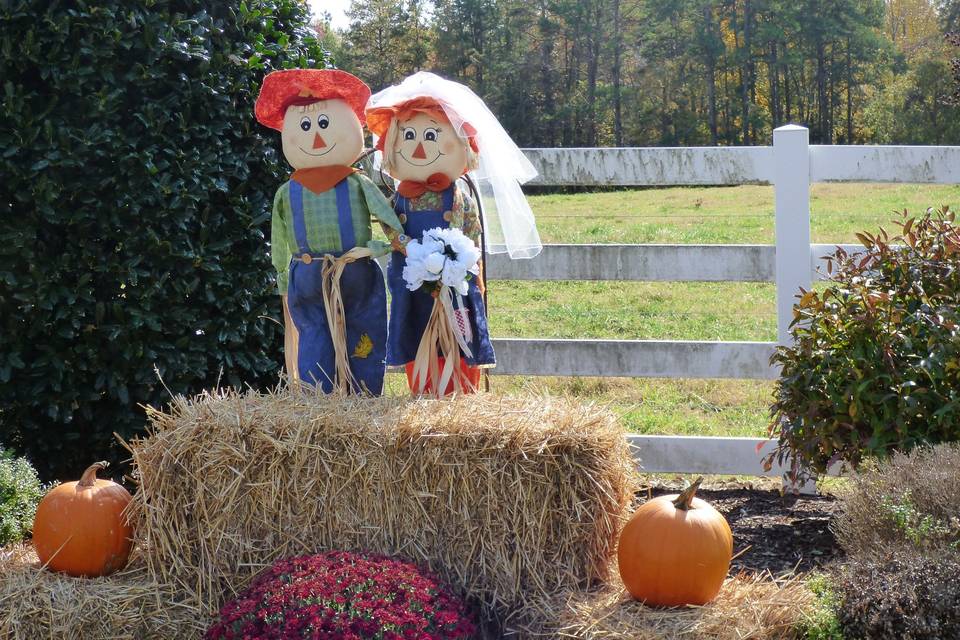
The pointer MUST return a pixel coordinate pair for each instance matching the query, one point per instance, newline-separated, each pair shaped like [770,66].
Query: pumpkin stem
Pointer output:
[89,477]
[684,500]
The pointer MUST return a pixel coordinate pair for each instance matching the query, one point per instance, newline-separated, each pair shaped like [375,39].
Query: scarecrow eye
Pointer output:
[409,133]
[323,121]
[305,123]
[430,134]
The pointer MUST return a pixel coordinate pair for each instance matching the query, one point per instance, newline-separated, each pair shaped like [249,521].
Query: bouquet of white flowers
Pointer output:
[442,257]
[443,262]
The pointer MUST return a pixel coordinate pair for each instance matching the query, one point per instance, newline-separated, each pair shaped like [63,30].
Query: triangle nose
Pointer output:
[419,153]
[318,142]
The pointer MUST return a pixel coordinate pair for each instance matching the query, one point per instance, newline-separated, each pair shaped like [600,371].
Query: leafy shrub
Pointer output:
[903,595]
[822,624]
[921,529]
[911,500]
[875,363]
[135,198]
[899,527]
[343,595]
[20,493]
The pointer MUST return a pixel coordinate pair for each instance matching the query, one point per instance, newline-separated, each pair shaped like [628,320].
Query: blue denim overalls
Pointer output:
[364,303]
[410,310]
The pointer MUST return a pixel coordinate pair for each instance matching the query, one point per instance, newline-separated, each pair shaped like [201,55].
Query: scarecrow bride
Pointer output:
[432,133]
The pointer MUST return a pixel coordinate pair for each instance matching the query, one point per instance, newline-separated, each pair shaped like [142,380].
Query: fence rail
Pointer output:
[790,165]
[663,166]
[922,165]
[713,455]
[653,166]
[633,358]
[656,262]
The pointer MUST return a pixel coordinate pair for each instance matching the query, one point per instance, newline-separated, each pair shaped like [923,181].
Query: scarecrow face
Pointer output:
[425,146]
[321,134]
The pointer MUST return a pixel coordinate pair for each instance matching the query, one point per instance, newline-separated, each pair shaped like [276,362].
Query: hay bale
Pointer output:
[36,603]
[748,606]
[510,500]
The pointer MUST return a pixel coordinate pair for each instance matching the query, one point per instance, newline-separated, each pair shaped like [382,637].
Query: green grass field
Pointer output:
[690,311]
[724,215]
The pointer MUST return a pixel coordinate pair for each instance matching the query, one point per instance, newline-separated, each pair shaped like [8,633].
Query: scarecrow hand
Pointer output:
[399,243]
[379,248]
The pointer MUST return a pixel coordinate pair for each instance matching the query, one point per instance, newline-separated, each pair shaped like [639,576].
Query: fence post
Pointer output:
[791,193]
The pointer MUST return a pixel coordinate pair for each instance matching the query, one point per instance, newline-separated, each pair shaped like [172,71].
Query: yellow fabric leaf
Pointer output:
[364,347]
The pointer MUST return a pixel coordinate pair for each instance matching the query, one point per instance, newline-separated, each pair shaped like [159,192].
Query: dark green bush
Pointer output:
[20,492]
[902,595]
[910,500]
[875,364]
[135,196]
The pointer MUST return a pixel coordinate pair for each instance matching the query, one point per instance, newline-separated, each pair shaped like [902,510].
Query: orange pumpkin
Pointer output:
[80,527]
[675,550]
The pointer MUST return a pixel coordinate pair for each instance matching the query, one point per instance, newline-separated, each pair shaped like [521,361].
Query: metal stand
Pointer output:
[483,258]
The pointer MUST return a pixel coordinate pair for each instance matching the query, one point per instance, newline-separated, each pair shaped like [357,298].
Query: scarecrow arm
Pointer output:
[280,252]
[381,209]
[377,204]
[471,219]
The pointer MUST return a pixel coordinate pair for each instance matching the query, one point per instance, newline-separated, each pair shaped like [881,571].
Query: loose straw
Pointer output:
[333,269]
[442,337]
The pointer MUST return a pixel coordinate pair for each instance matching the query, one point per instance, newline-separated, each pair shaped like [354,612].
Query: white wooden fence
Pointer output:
[790,165]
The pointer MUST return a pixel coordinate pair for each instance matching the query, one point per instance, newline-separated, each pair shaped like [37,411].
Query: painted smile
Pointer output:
[425,164]
[317,154]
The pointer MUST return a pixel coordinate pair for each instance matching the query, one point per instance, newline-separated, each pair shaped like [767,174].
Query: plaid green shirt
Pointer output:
[320,220]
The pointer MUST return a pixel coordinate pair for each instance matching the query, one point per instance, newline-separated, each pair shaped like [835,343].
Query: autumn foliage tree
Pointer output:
[673,72]
[954,39]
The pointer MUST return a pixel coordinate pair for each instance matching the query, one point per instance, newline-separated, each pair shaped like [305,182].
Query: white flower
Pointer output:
[432,241]
[454,275]
[446,255]
[413,275]
[434,262]
[417,250]
[461,245]
[471,258]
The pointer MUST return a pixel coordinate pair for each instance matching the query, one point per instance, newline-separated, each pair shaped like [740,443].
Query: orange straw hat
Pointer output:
[282,89]
[379,118]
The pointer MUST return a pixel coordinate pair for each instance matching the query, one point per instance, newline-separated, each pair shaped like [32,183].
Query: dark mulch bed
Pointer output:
[779,533]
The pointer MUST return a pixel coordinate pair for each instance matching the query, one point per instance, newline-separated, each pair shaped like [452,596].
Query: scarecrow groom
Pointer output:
[334,300]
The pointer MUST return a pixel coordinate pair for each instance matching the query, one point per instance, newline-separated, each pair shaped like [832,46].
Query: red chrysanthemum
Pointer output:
[344,595]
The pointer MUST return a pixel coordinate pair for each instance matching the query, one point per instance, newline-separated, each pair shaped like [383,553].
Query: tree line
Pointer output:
[675,72]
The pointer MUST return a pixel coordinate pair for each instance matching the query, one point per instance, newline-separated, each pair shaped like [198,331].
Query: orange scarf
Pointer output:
[414,189]
[320,179]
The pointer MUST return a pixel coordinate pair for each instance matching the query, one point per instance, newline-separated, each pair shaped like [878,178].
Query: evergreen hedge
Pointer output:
[135,196]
